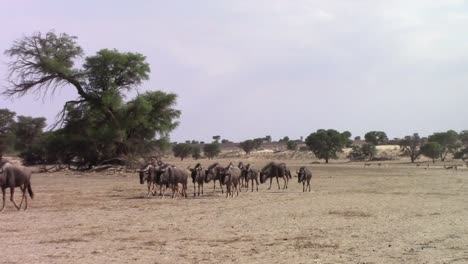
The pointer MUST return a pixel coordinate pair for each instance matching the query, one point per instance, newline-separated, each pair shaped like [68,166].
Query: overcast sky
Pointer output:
[249,68]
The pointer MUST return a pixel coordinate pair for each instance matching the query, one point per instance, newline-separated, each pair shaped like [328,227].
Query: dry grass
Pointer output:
[349,213]
[395,214]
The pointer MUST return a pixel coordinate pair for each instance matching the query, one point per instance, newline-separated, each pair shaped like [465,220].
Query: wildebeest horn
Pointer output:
[297,172]
[189,167]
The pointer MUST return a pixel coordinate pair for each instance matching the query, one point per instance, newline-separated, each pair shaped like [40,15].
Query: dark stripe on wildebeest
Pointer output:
[231,177]
[198,175]
[275,170]
[304,175]
[12,176]
[249,173]
[213,173]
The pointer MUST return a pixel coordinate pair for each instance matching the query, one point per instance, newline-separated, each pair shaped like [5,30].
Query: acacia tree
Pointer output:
[346,138]
[431,150]
[258,142]
[44,63]
[196,151]
[247,146]
[211,150]
[376,137]
[325,143]
[448,142]
[410,146]
[182,150]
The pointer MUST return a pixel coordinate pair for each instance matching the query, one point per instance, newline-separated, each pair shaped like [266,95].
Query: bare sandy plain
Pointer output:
[394,214]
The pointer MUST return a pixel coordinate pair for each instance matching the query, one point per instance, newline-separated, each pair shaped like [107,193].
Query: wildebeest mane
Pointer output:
[212,166]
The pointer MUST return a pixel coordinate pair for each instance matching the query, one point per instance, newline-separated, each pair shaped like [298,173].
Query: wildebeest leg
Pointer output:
[277,181]
[184,189]
[221,185]
[202,188]
[303,186]
[194,188]
[25,197]
[23,190]
[12,192]
[308,184]
[214,186]
[163,190]
[285,186]
[149,190]
[173,190]
[271,180]
[3,194]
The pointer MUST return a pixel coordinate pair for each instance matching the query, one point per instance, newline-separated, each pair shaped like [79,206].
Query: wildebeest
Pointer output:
[231,177]
[276,170]
[213,173]
[198,176]
[12,176]
[250,174]
[304,175]
[172,176]
[148,174]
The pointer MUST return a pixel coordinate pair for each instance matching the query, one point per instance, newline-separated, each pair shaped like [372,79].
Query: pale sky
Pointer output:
[250,68]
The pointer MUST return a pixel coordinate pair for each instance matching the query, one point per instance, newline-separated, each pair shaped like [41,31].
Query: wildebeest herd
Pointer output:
[159,175]
[232,179]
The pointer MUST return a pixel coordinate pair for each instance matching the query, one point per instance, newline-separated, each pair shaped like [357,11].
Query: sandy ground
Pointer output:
[394,214]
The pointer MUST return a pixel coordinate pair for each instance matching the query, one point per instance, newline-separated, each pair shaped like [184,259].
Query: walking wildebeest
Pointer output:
[12,176]
[243,179]
[231,177]
[276,170]
[250,174]
[198,177]
[213,173]
[304,175]
[148,174]
[172,176]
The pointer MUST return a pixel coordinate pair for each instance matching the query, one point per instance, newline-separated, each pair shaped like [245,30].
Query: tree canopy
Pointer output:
[376,137]
[410,146]
[182,150]
[211,150]
[325,143]
[431,150]
[448,142]
[247,146]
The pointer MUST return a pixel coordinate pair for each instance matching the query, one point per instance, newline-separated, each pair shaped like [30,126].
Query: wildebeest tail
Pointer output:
[30,191]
